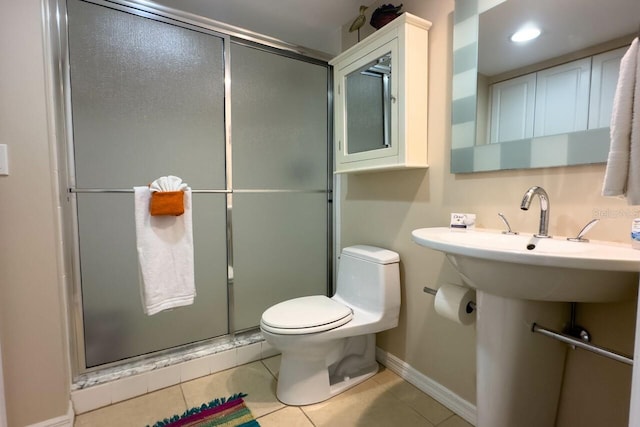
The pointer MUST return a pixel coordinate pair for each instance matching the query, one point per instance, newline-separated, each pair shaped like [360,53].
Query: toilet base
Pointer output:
[307,380]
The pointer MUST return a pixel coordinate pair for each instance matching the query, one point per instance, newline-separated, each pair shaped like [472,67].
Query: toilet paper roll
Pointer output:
[452,302]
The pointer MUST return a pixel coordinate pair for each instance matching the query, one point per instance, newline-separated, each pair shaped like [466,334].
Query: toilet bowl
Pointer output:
[328,344]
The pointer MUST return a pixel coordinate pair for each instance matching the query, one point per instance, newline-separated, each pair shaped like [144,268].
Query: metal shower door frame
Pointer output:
[55,14]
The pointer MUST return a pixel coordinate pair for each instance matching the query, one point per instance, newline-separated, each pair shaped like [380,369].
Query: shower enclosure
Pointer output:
[150,94]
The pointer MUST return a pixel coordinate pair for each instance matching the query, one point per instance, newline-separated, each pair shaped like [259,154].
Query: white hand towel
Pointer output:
[622,176]
[165,255]
[633,182]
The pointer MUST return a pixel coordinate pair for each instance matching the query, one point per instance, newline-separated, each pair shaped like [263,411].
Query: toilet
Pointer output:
[328,344]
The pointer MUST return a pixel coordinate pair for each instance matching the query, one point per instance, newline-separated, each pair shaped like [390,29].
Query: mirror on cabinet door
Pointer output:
[378,84]
[542,103]
[368,106]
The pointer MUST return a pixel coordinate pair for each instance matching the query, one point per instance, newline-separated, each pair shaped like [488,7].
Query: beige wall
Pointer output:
[383,208]
[380,208]
[35,370]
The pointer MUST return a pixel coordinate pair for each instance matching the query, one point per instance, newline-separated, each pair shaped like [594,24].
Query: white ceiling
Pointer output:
[567,26]
[315,24]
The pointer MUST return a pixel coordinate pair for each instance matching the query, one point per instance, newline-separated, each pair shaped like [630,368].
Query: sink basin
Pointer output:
[526,267]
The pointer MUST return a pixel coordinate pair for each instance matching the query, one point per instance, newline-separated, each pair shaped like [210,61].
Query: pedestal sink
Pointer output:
[521,279]
[527,267]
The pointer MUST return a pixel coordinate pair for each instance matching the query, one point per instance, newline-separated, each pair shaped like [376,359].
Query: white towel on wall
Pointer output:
[165,255]
[622,176]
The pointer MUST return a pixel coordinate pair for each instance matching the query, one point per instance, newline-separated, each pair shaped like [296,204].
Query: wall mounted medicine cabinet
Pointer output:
[380,87]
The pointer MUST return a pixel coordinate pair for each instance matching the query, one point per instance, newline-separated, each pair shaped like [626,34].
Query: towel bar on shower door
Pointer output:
[130,190]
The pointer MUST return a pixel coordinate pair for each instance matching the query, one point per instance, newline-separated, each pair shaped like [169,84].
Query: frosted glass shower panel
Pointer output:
[115,326]
[147,100]
[280,143]
[280,251]
[279,109]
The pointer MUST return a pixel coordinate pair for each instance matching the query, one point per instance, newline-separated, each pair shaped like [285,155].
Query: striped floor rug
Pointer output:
[222,412]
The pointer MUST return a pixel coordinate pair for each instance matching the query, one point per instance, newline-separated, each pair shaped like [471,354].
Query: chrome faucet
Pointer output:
[544,208]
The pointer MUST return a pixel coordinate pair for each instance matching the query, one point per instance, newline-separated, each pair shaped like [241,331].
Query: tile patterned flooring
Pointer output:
[383,400]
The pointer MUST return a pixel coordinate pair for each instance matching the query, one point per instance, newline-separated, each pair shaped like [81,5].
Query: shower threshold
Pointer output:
[165,358]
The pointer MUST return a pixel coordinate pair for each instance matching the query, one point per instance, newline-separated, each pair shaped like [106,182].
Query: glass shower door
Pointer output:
[147,100]
[280,183]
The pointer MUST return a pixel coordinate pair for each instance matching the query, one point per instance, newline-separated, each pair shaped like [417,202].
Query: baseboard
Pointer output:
[434,389]
[63,421]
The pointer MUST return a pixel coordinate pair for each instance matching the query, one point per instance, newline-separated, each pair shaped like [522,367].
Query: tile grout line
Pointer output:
[184,398]
[411,407]
[414,410]
[308,417]
[446,419]
[276,379]
[285,406]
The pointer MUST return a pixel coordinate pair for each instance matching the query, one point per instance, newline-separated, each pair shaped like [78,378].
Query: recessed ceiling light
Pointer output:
[525,34]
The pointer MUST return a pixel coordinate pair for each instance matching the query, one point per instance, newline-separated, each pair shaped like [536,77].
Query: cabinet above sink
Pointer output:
[381,97]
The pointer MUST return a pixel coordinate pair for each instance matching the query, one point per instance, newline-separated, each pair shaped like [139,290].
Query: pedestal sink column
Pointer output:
[519,373]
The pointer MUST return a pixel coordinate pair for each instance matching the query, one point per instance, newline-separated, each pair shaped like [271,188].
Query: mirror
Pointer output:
[368,106]
[543,103]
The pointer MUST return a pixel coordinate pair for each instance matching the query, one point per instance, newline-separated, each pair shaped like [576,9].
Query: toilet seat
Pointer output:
[305,315]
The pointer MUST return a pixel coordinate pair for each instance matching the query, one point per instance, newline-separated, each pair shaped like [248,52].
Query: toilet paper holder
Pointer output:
[429,290]
[471,306]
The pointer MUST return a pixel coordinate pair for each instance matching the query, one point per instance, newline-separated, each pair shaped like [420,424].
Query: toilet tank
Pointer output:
[369,278]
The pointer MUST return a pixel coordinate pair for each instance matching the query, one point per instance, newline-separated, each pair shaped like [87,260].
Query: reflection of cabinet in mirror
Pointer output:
[572,97]
[380,88]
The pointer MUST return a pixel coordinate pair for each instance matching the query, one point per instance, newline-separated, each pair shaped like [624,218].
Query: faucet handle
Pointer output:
[585,230]
[504,219]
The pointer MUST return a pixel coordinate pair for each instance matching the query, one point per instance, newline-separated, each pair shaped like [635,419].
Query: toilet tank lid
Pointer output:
[372,253]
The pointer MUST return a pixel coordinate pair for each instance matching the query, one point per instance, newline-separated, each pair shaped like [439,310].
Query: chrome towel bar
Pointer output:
[130,190]
[601,351]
